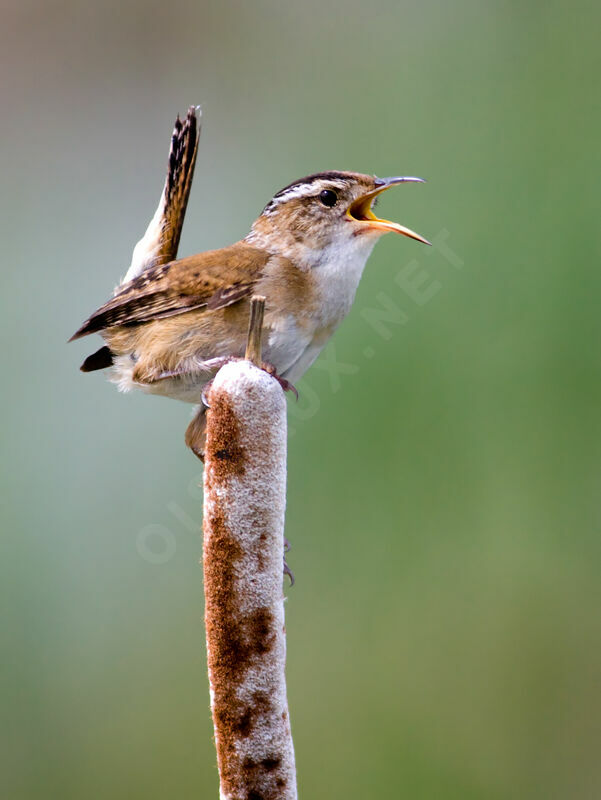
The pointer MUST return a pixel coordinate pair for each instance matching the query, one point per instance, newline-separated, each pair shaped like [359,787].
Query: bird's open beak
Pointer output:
[360,209]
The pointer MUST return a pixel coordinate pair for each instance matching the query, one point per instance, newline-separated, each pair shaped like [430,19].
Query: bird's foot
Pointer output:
[204,395]
[214,364]
[289,573]
[286,385]
[287,570]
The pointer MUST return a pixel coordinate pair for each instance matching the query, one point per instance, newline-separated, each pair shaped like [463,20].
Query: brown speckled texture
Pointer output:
[245,486]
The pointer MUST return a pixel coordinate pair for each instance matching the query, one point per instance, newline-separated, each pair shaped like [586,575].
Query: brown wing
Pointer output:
[214,279]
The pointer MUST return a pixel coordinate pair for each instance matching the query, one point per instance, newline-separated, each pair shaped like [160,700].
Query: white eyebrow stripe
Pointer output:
[303,190]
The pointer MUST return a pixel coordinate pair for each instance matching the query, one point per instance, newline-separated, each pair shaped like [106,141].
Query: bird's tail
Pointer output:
[160,242]
[99,360]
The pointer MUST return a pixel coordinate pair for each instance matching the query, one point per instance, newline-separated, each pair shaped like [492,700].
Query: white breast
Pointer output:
[337,271]
[286,343]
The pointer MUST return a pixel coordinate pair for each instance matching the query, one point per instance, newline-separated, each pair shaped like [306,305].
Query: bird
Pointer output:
[173,322]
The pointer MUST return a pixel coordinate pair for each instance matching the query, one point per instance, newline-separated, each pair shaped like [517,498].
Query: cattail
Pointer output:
[243,557]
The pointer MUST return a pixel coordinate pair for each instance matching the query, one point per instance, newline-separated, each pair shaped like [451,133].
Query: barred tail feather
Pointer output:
[160,243]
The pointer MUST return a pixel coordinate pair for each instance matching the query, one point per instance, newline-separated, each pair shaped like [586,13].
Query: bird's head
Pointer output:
[326,210]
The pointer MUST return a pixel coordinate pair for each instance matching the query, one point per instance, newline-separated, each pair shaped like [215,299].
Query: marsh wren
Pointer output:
[171,323]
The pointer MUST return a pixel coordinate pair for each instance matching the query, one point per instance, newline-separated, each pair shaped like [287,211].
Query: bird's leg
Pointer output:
[287,570]
[196,432]
[186,368]
[286,385]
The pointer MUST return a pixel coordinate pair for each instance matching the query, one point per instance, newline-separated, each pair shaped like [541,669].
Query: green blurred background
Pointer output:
[444,634]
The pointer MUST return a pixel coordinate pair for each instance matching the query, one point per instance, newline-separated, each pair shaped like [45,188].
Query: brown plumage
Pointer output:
[173,322]
[169,343]
[185,285]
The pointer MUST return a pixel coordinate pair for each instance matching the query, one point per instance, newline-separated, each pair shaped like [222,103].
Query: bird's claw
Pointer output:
[289,573]
[205,392]
[286,385]
[215,365]
[287,570]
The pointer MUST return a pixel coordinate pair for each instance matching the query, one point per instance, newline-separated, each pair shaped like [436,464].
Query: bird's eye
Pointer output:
[328,198]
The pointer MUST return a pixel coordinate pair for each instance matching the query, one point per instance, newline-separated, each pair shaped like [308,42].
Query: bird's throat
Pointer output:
[334,270]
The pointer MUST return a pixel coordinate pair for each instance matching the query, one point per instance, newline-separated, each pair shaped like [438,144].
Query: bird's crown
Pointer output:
[320,209]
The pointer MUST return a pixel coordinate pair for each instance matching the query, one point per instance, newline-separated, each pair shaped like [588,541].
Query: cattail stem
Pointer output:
[243,553]
[255,329]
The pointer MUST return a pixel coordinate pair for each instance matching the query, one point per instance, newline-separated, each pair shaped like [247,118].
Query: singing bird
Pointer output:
[173,322]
